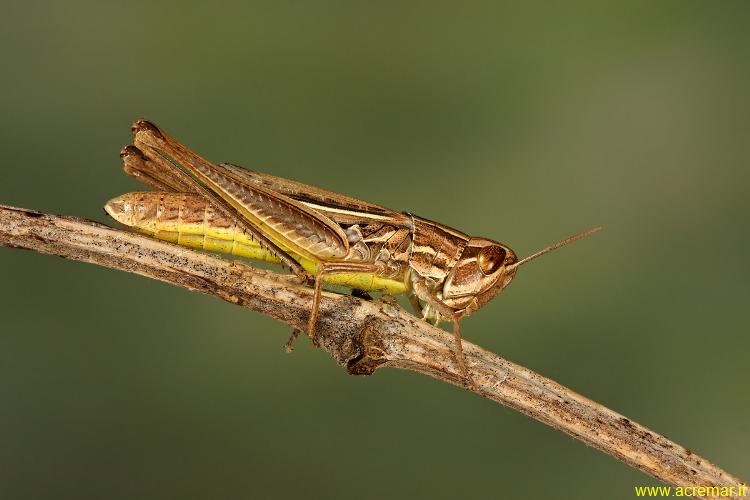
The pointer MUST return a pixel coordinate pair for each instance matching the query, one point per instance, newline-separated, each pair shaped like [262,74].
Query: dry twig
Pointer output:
[363,336]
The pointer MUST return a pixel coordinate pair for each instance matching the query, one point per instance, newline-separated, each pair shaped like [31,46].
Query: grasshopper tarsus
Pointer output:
[459,353]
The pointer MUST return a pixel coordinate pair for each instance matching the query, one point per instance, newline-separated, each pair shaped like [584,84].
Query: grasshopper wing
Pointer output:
[338,207]
[287,222]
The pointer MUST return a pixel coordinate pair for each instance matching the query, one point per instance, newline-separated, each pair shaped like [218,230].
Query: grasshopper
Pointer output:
[320,235]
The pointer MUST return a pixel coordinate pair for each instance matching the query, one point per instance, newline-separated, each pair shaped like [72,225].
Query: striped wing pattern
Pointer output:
[293,225]
[284,221]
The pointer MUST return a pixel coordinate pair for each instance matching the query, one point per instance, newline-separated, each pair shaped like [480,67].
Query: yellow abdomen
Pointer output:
[188,220]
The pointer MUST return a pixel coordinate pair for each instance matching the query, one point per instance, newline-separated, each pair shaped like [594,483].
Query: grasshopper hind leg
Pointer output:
[165,162]
[328,269]
[289,345]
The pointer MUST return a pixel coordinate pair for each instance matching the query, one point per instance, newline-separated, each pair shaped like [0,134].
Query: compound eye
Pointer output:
[490,259]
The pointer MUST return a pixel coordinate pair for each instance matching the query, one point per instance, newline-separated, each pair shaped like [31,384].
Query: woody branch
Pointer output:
[363,336]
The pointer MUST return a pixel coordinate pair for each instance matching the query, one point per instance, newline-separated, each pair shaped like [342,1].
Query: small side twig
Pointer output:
[363,336]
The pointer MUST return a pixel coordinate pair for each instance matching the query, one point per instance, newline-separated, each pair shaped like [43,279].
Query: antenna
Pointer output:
[555,246]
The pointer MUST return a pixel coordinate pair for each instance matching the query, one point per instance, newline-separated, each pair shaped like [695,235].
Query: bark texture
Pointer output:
[363,336]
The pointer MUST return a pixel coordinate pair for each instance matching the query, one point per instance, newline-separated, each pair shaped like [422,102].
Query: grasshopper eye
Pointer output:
[490,259]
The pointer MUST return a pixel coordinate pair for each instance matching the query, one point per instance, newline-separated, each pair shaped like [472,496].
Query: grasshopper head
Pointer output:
[484,269]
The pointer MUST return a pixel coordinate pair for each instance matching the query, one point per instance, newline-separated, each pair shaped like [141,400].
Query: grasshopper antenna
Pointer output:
[555,246]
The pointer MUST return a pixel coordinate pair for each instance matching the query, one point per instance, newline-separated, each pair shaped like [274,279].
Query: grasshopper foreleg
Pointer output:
[422,291]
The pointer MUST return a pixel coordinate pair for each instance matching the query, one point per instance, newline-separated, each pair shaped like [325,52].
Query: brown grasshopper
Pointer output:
[322,236]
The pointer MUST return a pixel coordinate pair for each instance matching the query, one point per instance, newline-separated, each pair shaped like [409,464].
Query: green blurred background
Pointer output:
[520,122]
